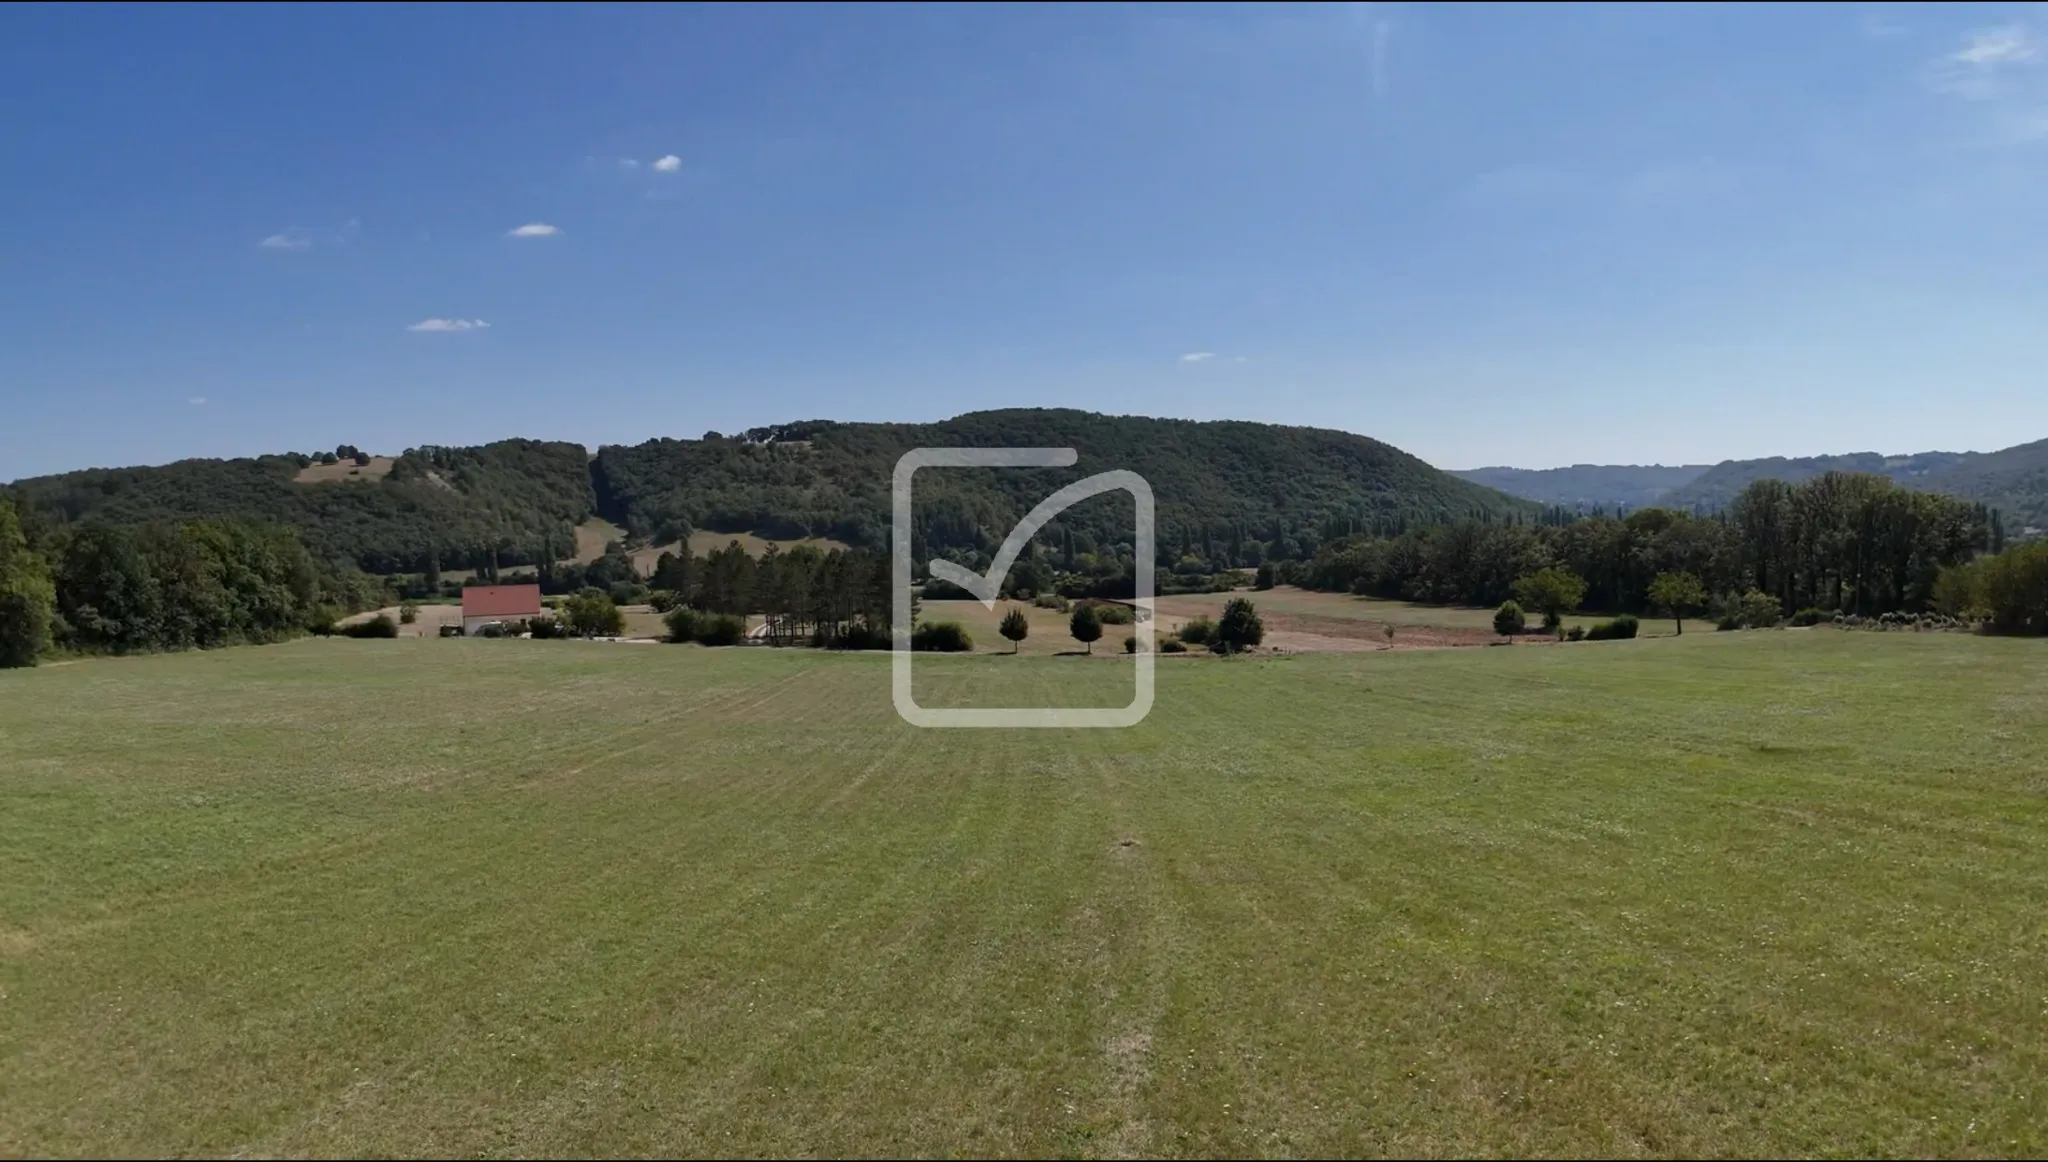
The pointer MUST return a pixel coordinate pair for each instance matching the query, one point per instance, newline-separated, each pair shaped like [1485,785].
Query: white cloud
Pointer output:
[669,164]
[1996,46]
[1197,356]
[449,325]
[198,401]
[629,163]
[290,240]
[534,230]
[1988,65]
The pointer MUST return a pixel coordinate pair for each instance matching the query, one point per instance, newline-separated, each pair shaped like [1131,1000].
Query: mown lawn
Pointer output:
[1729,894]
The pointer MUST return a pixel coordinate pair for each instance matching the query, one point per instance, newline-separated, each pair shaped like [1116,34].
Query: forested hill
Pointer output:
[1214,482]
[1584,486]
[1713,489]
[518,497]
[2013,480]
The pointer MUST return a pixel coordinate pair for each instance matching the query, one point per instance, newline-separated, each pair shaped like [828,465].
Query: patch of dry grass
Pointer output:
[345,471]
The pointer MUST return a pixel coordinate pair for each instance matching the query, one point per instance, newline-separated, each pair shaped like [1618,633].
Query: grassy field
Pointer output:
[1324,620]
[1730,894]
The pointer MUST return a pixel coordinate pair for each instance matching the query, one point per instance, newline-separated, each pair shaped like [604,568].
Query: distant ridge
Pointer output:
[1588,485]
[1219,484]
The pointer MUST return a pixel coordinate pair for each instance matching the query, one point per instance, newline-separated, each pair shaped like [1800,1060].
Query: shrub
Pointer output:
[1110,613]
[321,621]
[1759,610]
[1199,631]
[1810,616]
[857,636]
[1263,579]
[721,629]
[662,600]
[1620,629]
[1173,645]
[943,637]
[1508,619]
[408,613]
[1576,633]
[378,626]
[1728,621]
[1051,601]
[545,627]
[682,623]
[594,614]
[1130,643]
[1240,628]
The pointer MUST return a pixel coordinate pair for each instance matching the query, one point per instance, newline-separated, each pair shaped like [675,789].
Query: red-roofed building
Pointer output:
[484,604]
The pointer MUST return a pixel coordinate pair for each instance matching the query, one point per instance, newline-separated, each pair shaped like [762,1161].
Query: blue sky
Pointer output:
[1526,235]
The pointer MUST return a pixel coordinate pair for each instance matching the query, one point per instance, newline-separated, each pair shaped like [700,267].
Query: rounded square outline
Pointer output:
[900,577]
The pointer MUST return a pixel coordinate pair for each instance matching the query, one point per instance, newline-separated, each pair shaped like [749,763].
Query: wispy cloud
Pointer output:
[1198,357]
[668,164]
[1997,46]
[1999,71]
[1877,25]
[629,163]
[534,230]
[198,401]
[306,237]
[1993,63]
[438,325]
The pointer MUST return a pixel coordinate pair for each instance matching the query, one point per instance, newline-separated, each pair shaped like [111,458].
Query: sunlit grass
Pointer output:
[1733,894]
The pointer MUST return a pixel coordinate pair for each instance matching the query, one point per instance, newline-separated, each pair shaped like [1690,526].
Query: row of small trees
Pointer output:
[1240,628]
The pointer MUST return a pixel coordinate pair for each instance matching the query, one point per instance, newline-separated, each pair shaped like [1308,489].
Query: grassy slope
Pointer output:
[1730,894]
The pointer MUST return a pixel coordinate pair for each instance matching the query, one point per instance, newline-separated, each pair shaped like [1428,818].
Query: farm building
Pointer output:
[484,604]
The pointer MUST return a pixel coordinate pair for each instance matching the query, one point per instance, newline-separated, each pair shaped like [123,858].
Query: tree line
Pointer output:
[97,587]
[838,598]
[1842,541]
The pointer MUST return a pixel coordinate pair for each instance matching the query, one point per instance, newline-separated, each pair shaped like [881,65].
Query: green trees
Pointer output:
[1859,543]
[677,572]
[1509,620]
[1676,594]
[1240,627]
[593,614]
[1553,591]
[1263,579]
[2009,590]
[518,498]
[1085,626]
[27,597]
[1015,627]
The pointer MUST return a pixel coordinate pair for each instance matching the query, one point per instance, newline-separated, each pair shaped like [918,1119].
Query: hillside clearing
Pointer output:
[1733,894]
[345,471]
